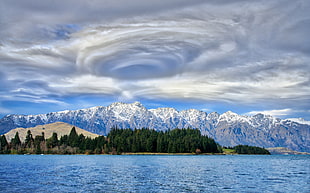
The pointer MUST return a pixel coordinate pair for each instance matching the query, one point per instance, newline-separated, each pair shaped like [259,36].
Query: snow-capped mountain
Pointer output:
[228,129]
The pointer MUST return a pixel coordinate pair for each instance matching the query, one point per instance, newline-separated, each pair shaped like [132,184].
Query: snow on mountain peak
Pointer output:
[137,104]
[126,105]
[116,104]
[214,114]
[64,111]
[229,116]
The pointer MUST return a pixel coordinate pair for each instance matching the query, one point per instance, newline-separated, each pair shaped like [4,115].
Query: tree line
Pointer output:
[120,141]
[246,149]
[171,141]
[66,144]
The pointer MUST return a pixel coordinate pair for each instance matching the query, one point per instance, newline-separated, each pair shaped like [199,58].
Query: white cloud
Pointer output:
[88,84]
[299,120]
[275,113]
[197,50]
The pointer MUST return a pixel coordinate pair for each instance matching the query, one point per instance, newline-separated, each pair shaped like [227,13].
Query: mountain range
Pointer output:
[228,129]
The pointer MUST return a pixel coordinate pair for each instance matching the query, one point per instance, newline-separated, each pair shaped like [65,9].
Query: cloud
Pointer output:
[240,52]
[138,52]
[31,20]
[275,113]
[299,120]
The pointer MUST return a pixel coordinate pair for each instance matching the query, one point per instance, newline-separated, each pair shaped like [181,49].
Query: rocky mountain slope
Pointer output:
[228,129]
[59,127]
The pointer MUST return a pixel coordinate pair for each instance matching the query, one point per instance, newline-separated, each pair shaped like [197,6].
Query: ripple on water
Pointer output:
[154,174]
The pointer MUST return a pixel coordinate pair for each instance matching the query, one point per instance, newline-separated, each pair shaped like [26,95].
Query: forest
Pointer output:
[246,149]
[119,141]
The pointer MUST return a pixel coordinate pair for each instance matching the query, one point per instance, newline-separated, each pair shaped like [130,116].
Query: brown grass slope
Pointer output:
[58,127]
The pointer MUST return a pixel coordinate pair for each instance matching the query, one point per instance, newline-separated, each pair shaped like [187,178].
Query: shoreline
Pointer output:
[164,154]
[142,153]
[149,153]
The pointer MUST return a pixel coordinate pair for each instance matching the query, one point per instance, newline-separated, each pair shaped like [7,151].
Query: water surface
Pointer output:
[147,173]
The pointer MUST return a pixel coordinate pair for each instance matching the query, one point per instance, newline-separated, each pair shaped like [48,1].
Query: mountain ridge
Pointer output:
[228,129]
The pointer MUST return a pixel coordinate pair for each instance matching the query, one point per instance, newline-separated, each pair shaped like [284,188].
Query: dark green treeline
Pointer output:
[172,141]
[118,141]
[246,149]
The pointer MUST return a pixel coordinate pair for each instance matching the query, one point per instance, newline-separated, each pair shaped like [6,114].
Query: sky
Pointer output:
[217,55]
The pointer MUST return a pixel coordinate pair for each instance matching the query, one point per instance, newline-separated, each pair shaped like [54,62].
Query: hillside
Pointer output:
[59,127]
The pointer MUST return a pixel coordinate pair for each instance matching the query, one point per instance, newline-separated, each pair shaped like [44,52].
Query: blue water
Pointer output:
[140,173]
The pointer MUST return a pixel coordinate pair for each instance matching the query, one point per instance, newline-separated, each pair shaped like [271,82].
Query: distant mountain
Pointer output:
[228,129]
[285,151]
[59,127]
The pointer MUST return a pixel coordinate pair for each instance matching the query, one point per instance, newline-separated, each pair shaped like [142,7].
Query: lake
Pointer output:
[154,173]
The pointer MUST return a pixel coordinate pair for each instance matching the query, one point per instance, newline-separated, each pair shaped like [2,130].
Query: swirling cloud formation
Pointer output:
[242,52]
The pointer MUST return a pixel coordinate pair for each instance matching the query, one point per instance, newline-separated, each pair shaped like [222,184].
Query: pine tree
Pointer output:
[52,141]
[73,138]
[38,150]
[81,143]
[90,144]
[39,143]
[15,142]
[29,139]
[3,144]
[64,140]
